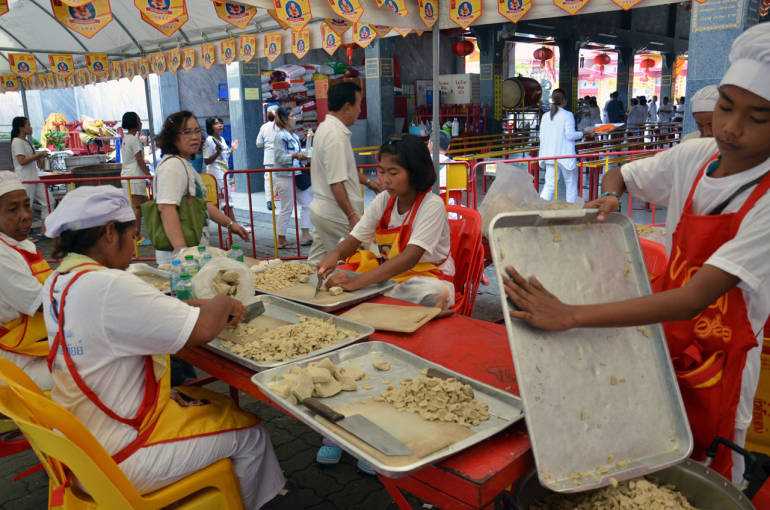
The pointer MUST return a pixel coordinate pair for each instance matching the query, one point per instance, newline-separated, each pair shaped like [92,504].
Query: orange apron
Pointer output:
[27,335]
[391,242]
[709,351]
[159,419]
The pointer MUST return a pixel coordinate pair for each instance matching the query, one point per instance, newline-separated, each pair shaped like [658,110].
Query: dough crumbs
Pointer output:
[434,399]
[160,283]
[284,342]
[639,494]
[555,233]
[281,276]
[614,380]
[318,379]
[381,365]
[644,330]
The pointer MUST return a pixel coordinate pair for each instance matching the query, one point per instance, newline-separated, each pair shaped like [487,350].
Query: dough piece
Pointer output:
[301,385]
[327,389]
[282,388]
[327,364]
[347,384]
[352,372]
[304,278]
[381,365]
[336,291]
[319,374]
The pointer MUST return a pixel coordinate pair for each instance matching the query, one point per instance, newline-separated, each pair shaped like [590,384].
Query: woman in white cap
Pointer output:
[265,139]
[175,178]
[112,371]
[703,103]
[714,297]
[23,338]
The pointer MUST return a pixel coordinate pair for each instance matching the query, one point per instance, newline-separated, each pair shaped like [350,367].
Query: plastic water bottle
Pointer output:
[190,266]
[184,289]
[236,253]
[455,127]
[201,250]
[176,271]
[205,259]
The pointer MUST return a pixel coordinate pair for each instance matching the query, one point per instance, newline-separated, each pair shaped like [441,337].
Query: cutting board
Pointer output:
[401,319]
[306,292]
[423,437]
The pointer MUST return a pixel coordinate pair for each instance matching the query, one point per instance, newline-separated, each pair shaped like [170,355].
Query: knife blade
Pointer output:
[319,283]
[253,310]
[361,427]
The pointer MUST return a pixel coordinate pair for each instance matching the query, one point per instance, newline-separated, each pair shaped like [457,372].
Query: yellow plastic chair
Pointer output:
[456,180]
[63,444]
[212,191]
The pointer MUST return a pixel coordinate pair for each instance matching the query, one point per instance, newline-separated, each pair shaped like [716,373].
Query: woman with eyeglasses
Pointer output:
[287,151]
[179,141]
[216,152]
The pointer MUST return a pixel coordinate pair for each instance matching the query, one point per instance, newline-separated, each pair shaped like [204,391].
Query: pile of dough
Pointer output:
[318,379]
[284,342]
[226,282]
[639,494]
[160,283]
[280,276]
[447,400]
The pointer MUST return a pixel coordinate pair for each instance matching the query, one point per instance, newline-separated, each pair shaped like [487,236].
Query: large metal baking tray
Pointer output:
[586,425]
[505,408]
[282,310]
[303,293]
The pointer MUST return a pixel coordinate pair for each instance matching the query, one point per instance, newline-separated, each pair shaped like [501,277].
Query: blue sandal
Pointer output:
[328,455]
[365,467]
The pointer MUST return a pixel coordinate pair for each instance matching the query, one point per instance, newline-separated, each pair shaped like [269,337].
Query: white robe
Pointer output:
[558,137]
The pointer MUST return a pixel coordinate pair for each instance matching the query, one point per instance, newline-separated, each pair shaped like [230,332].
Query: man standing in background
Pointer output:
[265,142]
[613,110]
[652,117]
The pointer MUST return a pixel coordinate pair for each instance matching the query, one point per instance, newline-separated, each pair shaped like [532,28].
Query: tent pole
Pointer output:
[150,120]
[436,121]
[24,106]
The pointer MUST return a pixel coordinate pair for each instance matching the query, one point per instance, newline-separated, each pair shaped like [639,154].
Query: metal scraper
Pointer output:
[361,427]
[253,310]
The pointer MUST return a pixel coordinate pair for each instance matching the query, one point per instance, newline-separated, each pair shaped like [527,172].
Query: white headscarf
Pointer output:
[9,181]
[750,61]
[88,207]
[705,100]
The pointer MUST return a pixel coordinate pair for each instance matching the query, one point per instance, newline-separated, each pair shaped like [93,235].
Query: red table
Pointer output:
[472,478]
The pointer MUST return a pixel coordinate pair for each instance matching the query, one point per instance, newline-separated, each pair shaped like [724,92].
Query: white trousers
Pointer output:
[425,291]
[327,234]
[36,367]
[267,186]
[570,177]
[254,461]
[288,192]
[36,194]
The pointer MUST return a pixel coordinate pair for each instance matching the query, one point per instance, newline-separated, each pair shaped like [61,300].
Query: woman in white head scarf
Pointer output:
[714,297]
[111,368]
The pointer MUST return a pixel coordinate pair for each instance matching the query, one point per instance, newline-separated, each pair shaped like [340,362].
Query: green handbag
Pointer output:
[193,216]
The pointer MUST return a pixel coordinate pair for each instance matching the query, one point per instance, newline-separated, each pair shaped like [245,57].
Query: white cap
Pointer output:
[88,207]
[750,61]
[9,181]
[273,108]
[705,100]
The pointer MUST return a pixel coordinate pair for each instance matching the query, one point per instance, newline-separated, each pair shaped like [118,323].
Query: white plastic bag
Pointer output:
[512,190]
[203,280]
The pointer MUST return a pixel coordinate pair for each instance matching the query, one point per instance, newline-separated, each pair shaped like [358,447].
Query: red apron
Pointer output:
[709,351]
[393,241]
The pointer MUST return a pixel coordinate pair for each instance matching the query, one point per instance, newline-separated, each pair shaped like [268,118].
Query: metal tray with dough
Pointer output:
[279,312]
[303,293]
[429,441]
[601,403]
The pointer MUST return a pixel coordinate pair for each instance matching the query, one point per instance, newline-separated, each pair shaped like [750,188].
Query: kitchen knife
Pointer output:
[253,310]
[361,427]
[318,285]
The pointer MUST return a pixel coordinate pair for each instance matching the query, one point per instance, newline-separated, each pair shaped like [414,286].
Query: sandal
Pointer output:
[365,467]
[328,455]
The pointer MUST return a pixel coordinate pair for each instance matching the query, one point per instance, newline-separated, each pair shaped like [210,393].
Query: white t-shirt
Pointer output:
[333,162]
[19,290]
[219,166]
[130,147]
[175,178]
[265,141]
[666,180]
[20,147]
[107,344]
[430,230]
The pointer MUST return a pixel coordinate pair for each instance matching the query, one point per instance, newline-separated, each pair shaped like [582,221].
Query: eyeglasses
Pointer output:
[190,132]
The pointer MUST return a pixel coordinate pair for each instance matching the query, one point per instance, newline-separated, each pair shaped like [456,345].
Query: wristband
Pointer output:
[610,194]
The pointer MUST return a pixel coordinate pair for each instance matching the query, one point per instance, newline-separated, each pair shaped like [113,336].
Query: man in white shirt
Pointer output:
[652,116]
[338,202]
[265,139]
[703,103]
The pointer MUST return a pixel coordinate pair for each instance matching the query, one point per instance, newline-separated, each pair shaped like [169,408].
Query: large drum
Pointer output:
[521,92]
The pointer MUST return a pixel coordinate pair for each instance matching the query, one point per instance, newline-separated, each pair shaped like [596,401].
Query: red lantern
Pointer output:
[542,54]
[462,48]
[601,60]
[647,64]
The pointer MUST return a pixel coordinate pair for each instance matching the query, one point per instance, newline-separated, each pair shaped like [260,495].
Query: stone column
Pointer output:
[379,90]
[667,77]
[713,28]
[245,106]
[165,98]
[625,74]
[568,70]
[490,67]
